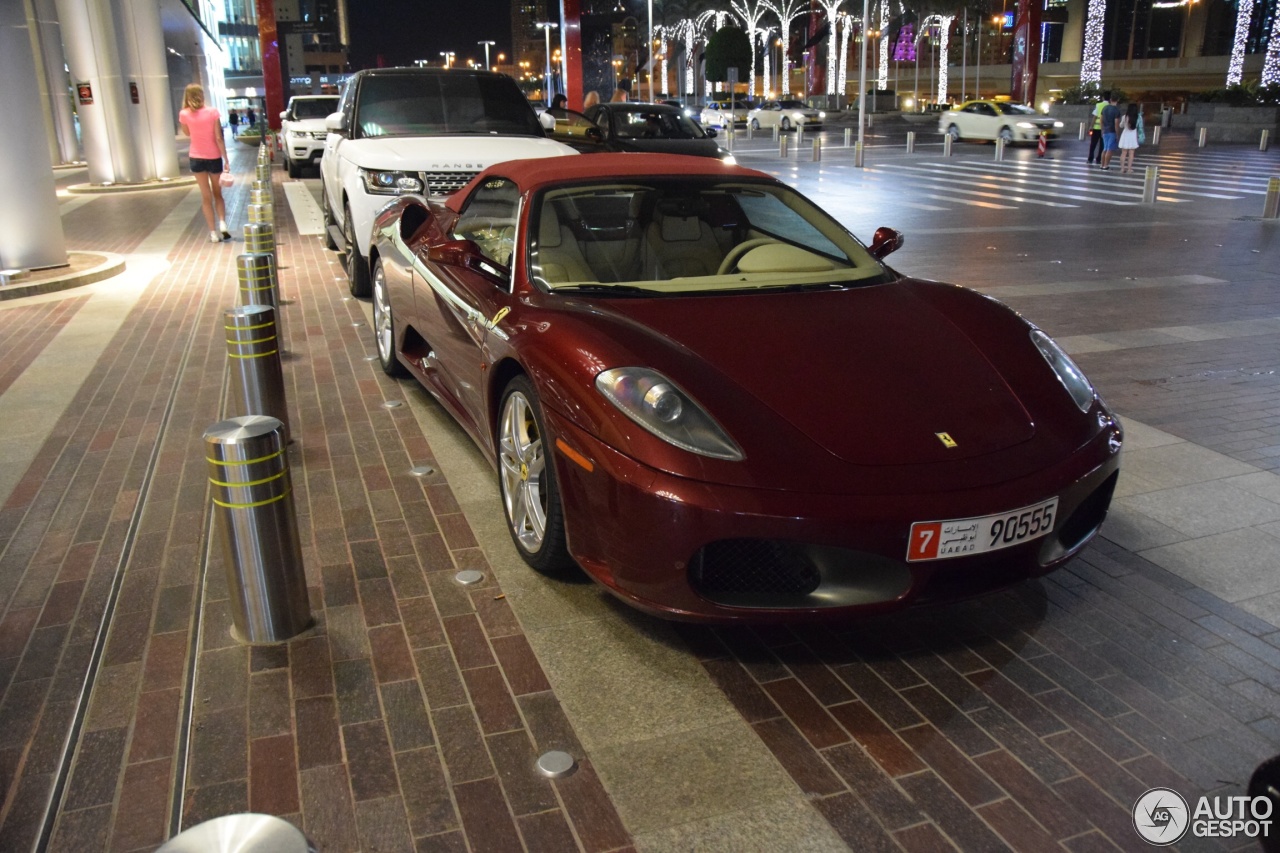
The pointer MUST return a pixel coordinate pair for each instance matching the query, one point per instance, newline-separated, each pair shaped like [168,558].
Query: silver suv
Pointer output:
[303,131]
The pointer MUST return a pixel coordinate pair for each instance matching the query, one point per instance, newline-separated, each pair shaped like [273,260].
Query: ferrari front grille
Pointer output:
[754,567]
[444,183]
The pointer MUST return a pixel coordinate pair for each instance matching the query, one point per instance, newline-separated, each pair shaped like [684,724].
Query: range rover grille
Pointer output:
[444,183]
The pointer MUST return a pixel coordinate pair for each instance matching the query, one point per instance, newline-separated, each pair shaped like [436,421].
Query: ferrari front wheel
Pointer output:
[526,473]
[384,327]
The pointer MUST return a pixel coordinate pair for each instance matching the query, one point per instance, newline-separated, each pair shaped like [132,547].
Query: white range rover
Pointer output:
[427,131]
[303,131]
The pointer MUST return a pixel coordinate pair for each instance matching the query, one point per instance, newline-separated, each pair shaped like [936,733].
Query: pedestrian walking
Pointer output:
[233,119]
[1095,133]
[1110,129]
[251,116]
[1131,136]
[208,157]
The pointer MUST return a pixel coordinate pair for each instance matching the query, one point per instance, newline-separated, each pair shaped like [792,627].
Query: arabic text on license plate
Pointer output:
[960,537]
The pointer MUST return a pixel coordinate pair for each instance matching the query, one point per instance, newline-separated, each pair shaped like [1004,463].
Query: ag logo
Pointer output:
[1161,816]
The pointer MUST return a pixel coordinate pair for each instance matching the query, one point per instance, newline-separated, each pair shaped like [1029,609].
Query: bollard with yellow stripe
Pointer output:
[253,359]
[262,213]
[260,238]
[260,195]
[257,525]
[256,272]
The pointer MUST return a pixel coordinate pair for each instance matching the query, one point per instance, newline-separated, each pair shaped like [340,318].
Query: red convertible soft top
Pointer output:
[531,174]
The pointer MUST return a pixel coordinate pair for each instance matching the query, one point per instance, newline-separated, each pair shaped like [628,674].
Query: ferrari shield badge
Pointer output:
[947,441]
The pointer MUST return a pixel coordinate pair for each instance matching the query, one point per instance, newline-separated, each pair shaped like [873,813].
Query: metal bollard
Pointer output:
[870,116]
[799,137]
[253,354]
[946,145]
[1265,140]
[1202,137]
[1082,129]
[260,237]
[999,150]
[260,196]
[1271,207]
[257,275]
[848,136]
[263,172]
[1150,184]
[1155,135]
[817,149]
[253,496]
[729,135]
[782,146]
[262,213]
[777,132]
[857,154]
[245,833]
[260,185]
[911,141]
[751,131]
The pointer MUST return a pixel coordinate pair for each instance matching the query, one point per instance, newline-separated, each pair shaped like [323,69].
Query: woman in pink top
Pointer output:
[208,157]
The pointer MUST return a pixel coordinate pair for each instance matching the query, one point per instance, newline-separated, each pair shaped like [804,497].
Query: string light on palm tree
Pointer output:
[1235,67]
[1094,28]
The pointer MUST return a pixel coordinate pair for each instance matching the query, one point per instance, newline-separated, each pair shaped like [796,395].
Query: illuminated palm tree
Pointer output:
[750,12]
[787,11]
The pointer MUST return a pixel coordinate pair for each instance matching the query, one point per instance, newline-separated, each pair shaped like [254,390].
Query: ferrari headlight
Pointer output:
[660,406]
[390,183]
[1071,377]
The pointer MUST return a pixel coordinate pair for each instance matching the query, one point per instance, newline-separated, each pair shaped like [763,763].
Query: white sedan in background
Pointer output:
[785,114]
[721,114]
[991,120]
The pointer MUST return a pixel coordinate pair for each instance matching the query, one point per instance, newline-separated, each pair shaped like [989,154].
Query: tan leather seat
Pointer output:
[681,243]
[558,258]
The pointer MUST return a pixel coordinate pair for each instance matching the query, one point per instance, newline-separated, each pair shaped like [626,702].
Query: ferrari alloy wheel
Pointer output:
[384,328]
[954,133]
[357,268]
[327,213]
[1007,135]
[530,496]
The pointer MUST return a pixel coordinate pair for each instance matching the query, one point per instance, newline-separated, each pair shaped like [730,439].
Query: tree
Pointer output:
[727,48]
[750,12]
[787,11]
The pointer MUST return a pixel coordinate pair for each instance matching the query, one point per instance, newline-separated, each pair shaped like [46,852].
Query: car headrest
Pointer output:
[676,229]
[549,227]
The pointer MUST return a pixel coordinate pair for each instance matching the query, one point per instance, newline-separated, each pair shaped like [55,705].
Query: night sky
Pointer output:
[401,31]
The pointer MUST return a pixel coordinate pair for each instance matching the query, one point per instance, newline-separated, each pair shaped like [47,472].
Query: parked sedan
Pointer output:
[997,120]
[705,392]
[722,114]
[630,126]
[786,114]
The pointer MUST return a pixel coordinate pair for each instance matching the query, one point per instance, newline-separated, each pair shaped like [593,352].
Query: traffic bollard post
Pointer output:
[946,145]
[1150,185]
[1202,138]
[256,522]
[848,136]
[260,196]
[253,355]
[999,149]
[256,273]
[1271,207]
[911,141]
[1155,135]
[857,154]
[261,213]
[260,237]
[817,149]
[1082,129]
[782,146]
[1265,141]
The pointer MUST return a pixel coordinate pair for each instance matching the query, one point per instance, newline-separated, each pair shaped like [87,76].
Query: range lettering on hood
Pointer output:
[457,166]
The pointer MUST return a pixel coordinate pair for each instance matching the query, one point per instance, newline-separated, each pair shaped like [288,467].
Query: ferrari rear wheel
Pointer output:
[384,328]
[530,495]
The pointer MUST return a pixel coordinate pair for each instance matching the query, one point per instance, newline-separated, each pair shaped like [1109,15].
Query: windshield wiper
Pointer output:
[612,289]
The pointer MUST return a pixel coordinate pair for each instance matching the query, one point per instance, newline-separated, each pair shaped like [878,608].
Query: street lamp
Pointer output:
[486,44]
[547,27]
[448,57]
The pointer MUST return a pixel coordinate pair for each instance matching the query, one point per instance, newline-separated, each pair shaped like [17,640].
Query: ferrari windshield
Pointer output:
[690,235]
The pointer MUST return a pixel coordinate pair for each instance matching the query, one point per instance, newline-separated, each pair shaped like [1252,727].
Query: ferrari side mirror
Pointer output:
[885,242]
[467,255]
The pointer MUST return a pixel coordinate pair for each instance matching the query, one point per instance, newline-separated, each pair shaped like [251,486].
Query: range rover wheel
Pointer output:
[327,214]
[357,267]
[526,476]
[292,167]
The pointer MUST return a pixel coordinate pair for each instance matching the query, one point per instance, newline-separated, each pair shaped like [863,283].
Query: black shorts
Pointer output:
[199,164]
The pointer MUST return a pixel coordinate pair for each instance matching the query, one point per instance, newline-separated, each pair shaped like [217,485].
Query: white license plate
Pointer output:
[961,537]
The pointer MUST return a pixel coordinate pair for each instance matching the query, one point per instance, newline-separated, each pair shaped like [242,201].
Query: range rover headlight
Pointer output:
[1071,377]
[661,407]
[377,182]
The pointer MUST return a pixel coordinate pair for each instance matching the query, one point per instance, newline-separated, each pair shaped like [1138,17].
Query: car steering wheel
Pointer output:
[730,262]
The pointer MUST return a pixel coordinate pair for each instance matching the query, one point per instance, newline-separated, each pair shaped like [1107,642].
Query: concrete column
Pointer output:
[31,233]
[93,55]
[1073,31]
[142,54]
[64,145]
